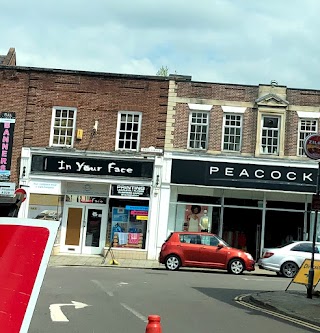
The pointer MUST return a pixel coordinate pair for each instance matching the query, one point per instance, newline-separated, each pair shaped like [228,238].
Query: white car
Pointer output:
[287,259]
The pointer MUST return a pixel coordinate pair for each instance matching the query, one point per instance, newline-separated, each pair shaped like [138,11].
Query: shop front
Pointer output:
[251,204]
[101,202]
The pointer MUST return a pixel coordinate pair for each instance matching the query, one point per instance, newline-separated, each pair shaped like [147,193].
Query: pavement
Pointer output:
[293,304]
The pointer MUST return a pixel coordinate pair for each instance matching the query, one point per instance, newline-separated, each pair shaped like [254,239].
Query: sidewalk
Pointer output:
[294,304]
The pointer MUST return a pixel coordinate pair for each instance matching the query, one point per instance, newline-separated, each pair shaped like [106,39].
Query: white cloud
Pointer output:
[235,41]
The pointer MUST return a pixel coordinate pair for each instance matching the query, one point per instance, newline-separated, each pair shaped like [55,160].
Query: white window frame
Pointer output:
[133,113]
[263,116]
[53,117]
[207,128]
[308,132]
[225,114]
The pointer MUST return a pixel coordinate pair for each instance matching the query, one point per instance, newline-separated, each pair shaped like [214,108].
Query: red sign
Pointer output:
[25,248]
[312,146]
[20,192]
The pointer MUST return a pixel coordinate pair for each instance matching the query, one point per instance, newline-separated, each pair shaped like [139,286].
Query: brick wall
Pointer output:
[32,94]
[238,95]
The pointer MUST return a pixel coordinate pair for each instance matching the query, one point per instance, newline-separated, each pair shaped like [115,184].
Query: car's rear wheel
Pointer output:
[236,266]
[289,269]
[173,262]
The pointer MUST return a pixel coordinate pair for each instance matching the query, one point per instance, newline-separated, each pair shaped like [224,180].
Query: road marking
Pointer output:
[239,300]
[136,313]
[57,314]
[253,279]
[100,285]
[122,284]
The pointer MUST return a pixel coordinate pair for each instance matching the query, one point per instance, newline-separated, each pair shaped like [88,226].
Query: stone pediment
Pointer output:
[271,100]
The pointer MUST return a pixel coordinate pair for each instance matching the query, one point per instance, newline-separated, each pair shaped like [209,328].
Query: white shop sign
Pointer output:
[45,187]
[7,189]
[88,189]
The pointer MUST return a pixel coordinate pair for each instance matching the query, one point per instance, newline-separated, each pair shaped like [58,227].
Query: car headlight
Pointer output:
[249,256]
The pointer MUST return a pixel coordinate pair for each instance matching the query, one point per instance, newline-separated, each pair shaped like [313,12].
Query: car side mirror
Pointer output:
[220,246]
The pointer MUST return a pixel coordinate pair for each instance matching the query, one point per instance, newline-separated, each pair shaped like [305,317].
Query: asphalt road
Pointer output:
[119,300]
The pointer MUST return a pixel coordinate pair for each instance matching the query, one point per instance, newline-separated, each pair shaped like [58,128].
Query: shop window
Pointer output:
[63,126]
[306,127]
[286,205]
[232,132]
[241,202]
[128,131]
[270,135]
[198,130]
[127,223]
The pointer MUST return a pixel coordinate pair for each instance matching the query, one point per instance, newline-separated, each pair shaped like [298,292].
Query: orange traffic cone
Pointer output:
[154,325]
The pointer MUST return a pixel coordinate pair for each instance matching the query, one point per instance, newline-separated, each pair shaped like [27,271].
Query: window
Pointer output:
[232,127]
[306,127]
[209,240]
[270,135]
[305,247]
[63,126]
[190,239]
[128,132]
[198,130]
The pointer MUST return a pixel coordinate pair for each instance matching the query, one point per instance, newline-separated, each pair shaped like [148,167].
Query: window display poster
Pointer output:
[119,223]
[192,217]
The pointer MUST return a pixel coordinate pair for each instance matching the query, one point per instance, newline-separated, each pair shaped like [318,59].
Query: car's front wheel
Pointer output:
[289,269]
[236,266]
[173,262]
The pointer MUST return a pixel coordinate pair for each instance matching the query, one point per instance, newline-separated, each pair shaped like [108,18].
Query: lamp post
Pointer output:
[312,150]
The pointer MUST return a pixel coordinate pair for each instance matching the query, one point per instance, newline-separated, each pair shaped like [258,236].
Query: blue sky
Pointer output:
[233,41]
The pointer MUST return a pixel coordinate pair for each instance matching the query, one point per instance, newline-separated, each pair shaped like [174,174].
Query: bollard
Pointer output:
[153,325]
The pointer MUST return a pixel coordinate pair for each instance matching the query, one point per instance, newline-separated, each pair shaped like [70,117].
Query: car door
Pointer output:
[210,254]
[190,248]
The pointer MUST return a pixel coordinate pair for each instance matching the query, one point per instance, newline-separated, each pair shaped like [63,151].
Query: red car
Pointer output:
[198,249]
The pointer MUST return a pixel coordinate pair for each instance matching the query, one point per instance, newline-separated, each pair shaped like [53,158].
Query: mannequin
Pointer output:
[204,222]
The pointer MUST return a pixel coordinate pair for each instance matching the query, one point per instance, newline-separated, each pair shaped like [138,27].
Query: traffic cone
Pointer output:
[153,325]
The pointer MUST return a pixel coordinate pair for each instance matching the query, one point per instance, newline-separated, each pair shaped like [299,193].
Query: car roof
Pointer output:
[193,233]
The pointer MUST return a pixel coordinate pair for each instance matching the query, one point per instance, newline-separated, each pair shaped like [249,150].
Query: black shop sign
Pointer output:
[135,191]
[92,166]
[244,175]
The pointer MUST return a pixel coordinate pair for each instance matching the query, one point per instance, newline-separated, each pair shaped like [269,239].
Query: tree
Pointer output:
[163,71]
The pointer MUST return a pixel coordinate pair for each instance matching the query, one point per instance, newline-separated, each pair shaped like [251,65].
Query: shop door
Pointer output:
[85,229]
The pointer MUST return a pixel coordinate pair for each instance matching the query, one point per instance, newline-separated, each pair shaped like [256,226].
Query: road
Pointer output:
[118,300]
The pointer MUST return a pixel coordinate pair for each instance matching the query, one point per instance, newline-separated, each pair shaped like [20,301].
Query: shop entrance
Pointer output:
[242,229]
[84,228]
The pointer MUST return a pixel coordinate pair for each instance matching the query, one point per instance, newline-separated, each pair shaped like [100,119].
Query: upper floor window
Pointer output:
[232,132]
[270,135]
[128,131]
[63,126]
[198,130]
[306,127]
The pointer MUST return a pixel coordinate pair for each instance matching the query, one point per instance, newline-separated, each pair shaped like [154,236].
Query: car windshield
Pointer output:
[285,244]
[223,242]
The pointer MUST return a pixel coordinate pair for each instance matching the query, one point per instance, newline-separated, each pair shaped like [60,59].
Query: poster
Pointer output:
[7,122]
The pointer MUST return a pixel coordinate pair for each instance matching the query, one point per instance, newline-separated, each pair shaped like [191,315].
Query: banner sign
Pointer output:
[25,248]
[92,166]
[130,191]
[7,122]
[244,175]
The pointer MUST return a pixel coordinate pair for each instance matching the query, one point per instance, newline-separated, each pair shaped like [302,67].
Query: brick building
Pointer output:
[236,152]
[87,147]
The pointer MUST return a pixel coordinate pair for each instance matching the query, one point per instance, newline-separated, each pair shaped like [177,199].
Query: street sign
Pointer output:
[312,146]
[21,194]
[303,273]
[25,248]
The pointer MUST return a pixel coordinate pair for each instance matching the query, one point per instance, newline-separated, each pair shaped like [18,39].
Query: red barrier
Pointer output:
[154,325]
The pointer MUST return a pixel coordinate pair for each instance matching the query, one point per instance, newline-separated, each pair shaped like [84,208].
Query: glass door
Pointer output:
[71,235]
[94,230]
[84,229]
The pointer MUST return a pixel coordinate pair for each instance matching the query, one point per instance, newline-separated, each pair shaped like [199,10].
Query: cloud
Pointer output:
[234,41]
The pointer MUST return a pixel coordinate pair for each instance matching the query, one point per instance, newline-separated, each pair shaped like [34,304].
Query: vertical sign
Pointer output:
[7,122]
[25,248]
